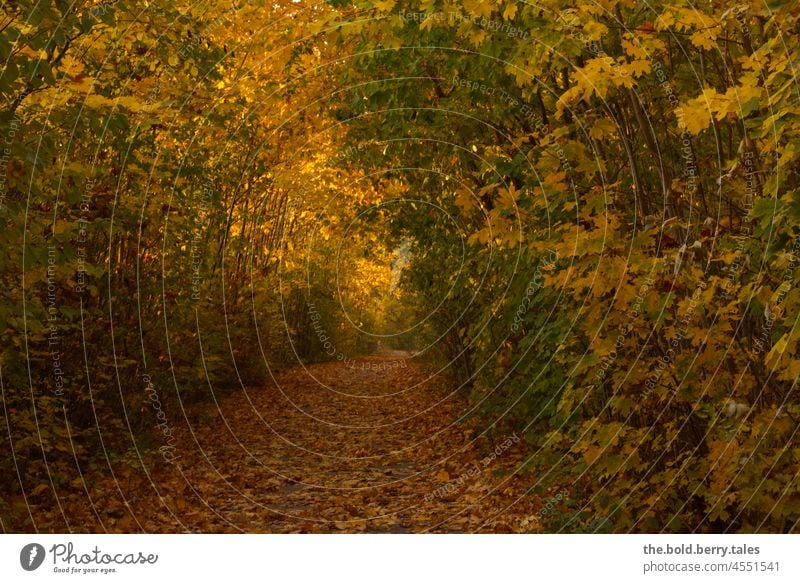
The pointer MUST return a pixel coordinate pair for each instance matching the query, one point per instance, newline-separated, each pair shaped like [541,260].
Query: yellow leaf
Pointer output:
[556,181]
[789,154]
[510,11]
[695,114]
[95,101]
[465,200]
[623,76]
[638,68]
[665,20]
[602,127]
[478,7]
[634,50]
[705,39]
[594,30]
[507,198]
[742,94]
[592,453]
[477,37]
[572,95]
[777,351]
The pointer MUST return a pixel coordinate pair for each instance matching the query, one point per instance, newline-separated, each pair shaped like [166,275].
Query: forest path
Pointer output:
[370,445]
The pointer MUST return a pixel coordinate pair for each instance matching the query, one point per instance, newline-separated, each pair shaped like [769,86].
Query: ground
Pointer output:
[379,444]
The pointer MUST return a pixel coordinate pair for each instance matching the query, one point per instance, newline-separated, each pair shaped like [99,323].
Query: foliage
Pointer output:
[598,202]
[161,180]
[626,182]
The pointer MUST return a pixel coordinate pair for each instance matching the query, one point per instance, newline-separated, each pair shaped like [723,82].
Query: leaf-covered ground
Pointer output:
[373,445]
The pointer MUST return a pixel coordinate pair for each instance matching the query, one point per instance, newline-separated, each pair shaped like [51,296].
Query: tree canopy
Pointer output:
[583,214]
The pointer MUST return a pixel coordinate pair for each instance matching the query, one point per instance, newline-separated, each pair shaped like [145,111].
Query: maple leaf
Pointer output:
[695,115]
[466,201]
[704,39]
[639,67]
[384,5]
[478,7]
[634,50]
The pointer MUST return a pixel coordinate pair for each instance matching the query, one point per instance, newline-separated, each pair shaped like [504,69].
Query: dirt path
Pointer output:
[373,446]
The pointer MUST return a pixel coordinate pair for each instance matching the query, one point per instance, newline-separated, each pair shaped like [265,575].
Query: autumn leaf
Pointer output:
[384,5]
